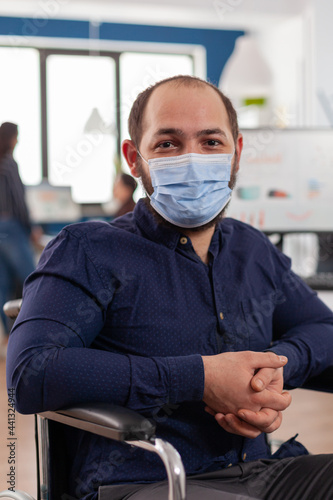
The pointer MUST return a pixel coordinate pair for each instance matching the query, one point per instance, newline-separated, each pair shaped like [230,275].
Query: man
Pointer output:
[192,319]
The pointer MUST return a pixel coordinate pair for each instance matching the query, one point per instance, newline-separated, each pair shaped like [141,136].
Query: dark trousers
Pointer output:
[16,261]
[307,477]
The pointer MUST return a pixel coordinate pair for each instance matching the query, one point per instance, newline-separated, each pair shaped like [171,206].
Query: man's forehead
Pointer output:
[171,90]
[189,97]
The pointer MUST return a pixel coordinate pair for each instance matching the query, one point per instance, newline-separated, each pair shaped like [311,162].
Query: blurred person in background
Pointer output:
[123,190]
[16,254]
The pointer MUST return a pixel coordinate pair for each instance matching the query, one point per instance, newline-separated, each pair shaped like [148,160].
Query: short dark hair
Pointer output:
[137,112]
[8,131]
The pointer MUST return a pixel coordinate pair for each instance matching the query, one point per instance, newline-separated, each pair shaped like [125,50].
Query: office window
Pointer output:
[20,103]
[81,111]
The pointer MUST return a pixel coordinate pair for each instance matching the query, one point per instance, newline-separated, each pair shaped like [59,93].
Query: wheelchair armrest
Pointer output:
[322,382]
[111,421]
[122,424]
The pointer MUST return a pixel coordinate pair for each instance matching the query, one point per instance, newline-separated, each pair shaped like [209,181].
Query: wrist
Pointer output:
[209,373]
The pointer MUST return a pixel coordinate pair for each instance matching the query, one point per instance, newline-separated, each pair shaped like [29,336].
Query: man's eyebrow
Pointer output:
[211,131]
[178,131]
[168,130]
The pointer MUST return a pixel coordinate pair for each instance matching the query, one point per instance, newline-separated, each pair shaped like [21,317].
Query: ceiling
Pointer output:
[251,15]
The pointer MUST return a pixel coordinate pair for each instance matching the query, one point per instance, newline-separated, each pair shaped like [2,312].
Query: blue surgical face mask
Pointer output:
[191,189]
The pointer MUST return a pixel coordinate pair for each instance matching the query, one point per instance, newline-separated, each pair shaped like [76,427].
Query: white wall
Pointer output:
[284,51]
[323,62]
[299,52]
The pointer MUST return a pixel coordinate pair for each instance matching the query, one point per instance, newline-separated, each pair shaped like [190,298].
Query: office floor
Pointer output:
[310,415]
[23,451]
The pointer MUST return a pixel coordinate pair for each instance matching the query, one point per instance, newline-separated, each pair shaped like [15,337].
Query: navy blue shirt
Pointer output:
[123,311]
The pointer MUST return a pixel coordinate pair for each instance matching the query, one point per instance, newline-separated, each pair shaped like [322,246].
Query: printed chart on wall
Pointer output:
[285,181]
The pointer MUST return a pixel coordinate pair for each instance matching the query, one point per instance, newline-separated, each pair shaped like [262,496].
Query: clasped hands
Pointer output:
[244,391]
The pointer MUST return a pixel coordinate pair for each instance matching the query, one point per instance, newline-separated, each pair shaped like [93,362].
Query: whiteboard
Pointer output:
[285,181]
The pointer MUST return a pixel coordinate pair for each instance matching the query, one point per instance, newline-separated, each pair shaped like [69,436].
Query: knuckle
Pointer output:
[288,397]
[249,356]
[266,423]
[286,402]
[273,358]
[274,426]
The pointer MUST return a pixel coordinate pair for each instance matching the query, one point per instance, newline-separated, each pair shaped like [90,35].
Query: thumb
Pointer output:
[262,379]
[265,377]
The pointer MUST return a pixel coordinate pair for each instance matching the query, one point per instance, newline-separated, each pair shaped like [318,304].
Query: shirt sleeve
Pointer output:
[302,326]
[51,362]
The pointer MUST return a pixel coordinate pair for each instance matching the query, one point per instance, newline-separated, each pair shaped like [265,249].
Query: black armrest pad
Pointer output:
[107,420]
[322,382]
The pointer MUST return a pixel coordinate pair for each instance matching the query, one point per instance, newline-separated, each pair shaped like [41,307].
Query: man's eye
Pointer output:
[212,142]
[165,144]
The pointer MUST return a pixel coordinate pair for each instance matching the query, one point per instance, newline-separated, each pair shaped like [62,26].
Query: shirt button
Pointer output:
[244,456]
[221,315]
[183,240]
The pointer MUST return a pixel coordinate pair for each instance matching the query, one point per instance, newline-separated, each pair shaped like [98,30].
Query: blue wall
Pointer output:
[219,44]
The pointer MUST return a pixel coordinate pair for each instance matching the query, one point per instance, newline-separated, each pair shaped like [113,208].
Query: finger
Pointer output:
[272,400]
[234,425]
[275,425]
[210,411]
[265,376]
[266,420]
[267,360]
[262,378]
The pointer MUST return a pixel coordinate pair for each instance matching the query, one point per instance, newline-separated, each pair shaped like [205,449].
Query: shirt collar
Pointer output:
[165,235]
[155,231]
[216,242]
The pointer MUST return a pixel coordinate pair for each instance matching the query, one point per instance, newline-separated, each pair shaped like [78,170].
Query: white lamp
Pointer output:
[247,80]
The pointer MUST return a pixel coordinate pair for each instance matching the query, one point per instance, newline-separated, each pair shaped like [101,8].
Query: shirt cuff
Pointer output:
[187,378]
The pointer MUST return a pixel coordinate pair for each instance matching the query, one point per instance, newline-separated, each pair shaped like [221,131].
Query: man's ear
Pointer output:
[131,156]
[239,148]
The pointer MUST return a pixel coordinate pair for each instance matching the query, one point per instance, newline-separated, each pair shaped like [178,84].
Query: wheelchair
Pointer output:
[113,422]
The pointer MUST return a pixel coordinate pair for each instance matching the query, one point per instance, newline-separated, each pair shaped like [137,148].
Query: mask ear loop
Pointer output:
[142,158]
[140,178]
